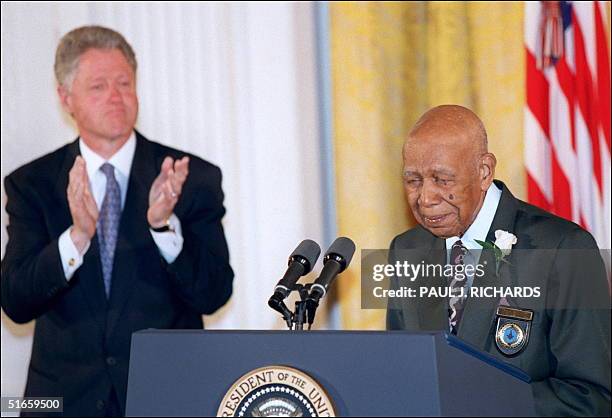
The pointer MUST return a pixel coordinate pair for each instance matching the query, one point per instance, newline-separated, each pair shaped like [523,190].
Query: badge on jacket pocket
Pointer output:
[512,331]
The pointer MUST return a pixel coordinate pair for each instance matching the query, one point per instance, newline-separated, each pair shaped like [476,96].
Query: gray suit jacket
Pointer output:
[568,351]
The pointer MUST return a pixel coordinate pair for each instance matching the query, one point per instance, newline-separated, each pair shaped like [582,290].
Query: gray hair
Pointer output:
[76,42]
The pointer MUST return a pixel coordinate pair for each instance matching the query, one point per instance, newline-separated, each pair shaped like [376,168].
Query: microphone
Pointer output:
[301,261]
[336,260]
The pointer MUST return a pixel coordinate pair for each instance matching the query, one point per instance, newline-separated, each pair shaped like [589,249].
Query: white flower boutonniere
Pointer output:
[504,240]
[502,247]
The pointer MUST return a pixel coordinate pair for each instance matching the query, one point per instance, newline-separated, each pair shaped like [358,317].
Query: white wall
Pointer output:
[233,83]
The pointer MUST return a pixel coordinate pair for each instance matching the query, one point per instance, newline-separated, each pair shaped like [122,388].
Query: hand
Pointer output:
[82,205]
[166,190]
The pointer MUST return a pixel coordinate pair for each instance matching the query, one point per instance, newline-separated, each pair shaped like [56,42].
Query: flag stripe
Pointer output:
[566,83]
[537,93]
[538,159]
[535,195]
[564,160]
[603,76]
[586,98]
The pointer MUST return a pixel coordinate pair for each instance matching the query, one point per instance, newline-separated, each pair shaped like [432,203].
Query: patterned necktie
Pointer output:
[108,224]
[456,302]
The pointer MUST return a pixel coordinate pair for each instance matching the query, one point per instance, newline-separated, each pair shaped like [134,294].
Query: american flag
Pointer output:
[567,112]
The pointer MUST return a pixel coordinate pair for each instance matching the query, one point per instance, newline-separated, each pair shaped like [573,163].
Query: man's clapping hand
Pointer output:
[82,205]
[166,190]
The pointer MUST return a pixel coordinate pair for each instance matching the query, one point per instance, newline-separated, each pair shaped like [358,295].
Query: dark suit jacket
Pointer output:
[82,340]
[568,351]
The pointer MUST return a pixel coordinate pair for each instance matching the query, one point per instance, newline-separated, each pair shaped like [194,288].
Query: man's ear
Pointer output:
[487,170]
[65,98]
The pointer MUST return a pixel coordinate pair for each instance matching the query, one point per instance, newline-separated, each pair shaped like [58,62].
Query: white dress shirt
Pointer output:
[169,243]
[478,230]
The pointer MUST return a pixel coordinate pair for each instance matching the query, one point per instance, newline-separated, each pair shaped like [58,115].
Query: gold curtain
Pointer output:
[391,62]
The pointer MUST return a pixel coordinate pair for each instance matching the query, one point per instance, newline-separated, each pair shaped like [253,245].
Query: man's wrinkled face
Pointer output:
[443,185]
[102,99]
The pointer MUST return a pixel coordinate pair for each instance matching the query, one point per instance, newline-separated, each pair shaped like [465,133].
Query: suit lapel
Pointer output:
[64,219]
[88,278]
[479,314]
[134,232]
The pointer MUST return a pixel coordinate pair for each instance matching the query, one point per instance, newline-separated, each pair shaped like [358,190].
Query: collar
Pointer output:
[121,160]
[481,225]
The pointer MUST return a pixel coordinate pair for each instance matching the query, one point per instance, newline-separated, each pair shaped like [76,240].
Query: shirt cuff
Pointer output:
[70,256]
[169,243]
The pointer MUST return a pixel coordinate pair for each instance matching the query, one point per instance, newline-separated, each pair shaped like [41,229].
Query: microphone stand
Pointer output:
[296,320]
[301,307]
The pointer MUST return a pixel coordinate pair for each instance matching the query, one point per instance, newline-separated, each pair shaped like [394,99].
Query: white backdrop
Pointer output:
[232,83]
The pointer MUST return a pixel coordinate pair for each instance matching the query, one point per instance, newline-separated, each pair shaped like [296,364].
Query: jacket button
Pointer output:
[111,361]
[100,404]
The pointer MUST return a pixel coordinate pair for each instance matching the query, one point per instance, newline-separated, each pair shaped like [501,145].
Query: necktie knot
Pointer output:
[458,244]
[458,252]
[108,170]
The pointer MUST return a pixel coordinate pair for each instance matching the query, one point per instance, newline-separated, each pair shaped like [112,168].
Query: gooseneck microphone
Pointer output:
[301,262]
[336,260]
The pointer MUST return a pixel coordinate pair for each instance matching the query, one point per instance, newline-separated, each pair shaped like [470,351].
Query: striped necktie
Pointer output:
[456,301]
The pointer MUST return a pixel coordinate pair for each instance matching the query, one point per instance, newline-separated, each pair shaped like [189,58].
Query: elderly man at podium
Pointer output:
[542,302]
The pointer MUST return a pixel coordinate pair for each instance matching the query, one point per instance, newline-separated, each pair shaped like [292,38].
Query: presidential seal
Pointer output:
[512,331]
[276,391]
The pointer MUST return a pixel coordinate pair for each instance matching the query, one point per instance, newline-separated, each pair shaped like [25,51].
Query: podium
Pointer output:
[396,373]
